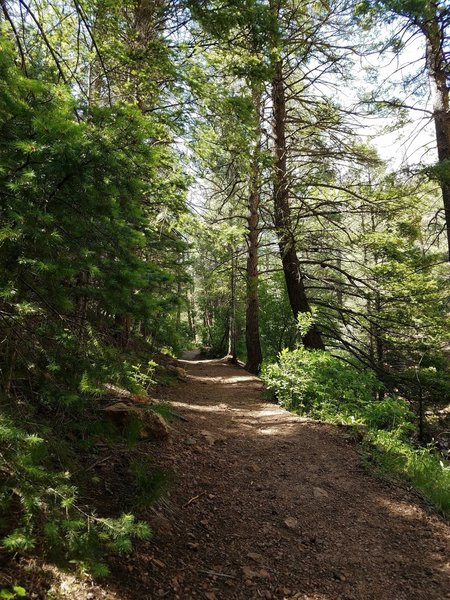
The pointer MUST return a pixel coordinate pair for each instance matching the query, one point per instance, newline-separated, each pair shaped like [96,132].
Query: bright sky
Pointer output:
[415,141]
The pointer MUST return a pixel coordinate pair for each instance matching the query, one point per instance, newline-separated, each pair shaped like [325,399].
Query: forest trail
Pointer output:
[268,505]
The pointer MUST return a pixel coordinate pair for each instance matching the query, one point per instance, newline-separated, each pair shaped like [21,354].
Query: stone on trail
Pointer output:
[319,493]
[255,556]
[291,522]
[249,573]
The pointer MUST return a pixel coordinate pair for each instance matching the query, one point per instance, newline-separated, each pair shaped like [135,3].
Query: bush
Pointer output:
[39,507]
[317,384]
[390,414]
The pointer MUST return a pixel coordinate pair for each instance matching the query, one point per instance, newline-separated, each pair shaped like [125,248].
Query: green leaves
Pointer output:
[18,540]
[13,593]
[89,243]
[316,383]
[89,219]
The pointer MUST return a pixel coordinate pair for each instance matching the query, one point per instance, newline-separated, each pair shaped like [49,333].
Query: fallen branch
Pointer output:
[214,573]
[193,499]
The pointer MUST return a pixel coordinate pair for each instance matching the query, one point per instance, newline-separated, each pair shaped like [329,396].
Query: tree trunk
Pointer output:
[124,322]
[283,221]
[252,338]
[81,306]
[191,314]
[437,66]
[232,352]
[178,317]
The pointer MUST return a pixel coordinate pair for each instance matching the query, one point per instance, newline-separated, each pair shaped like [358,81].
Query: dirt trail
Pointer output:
[267,505]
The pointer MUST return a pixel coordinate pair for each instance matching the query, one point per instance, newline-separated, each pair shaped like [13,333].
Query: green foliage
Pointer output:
[141,376]
[277,324]
[422,467]
[13,593]
[390,414]
[46,505]
[88,271]
[82,254]
[151,483]
[304,322]
[318,384]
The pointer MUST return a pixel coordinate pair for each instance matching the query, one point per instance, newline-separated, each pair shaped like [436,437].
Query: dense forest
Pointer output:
[267,180]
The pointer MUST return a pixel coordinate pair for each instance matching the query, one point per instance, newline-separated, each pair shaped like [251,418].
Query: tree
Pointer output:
[429,18]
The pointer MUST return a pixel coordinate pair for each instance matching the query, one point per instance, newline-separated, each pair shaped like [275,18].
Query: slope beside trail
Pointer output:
[267,505]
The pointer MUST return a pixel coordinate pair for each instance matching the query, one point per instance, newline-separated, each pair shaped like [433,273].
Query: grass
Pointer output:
[421,467]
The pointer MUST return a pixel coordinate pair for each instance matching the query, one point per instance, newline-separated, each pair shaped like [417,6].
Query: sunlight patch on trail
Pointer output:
[201,407]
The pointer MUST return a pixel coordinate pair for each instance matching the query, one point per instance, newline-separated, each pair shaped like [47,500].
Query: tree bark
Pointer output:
[283,221]
[232,331]
[437,67]
[252,337]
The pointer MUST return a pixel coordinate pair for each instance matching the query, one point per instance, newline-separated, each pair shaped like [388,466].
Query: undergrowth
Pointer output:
[41,508]
[318,385]
[421,467]
[44,481]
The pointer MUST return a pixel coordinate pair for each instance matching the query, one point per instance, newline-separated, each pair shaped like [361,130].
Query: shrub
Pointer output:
[39,505]
[391,414]
[422,467]
[320,385]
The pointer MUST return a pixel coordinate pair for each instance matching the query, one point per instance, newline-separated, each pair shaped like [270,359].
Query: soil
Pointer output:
[269,505]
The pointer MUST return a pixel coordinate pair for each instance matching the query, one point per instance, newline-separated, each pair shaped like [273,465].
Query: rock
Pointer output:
[158,563]
[193,546]
[151,424]
[319,493]
[356,432]
[249,573]
[169,371]
[255,556]
[211,438]
[291,522]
